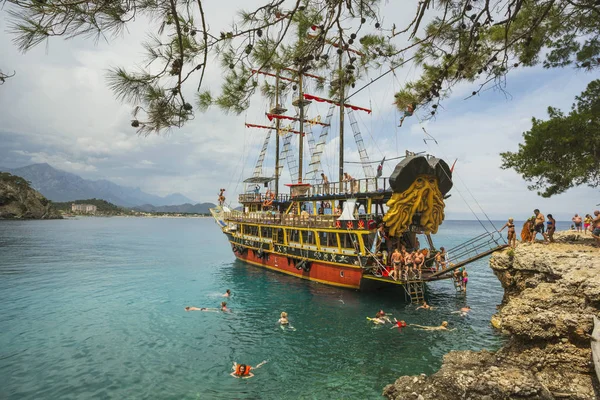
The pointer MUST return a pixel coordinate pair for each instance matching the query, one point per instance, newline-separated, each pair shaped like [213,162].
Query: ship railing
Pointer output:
[364,185]
[305,221]
[295,220]
[262,198]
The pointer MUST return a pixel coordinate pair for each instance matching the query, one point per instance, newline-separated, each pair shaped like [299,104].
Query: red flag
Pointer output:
[453,164]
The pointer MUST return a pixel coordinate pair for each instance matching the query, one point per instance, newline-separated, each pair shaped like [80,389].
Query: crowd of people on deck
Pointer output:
[546,226]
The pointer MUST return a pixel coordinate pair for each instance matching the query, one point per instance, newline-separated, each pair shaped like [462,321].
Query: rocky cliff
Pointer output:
[19,201]
[551,293]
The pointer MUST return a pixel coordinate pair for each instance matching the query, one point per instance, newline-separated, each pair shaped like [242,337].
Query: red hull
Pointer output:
[329,274]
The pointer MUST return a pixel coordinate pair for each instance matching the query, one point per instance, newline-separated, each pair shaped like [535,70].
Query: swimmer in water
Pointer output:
[380,318]
[224,307]
[399,325]
[227,293]
[284,322]
[442,327]
[243,370]
[284,319]
[463,311]
[425,306]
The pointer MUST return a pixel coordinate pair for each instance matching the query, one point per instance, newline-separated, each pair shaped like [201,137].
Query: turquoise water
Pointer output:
[94,308]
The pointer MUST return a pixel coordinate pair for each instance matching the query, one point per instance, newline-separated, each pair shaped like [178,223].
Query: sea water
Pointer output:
[94,308]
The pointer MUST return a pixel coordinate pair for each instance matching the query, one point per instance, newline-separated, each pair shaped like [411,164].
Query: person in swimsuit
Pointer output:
[577,221]
[418,261]
[224,307]
[587,222]
[243,370]
[380,318]
[550,228]
[283,320]
[227,293]
[596,227]
[189,308]
[399,325]
[512,235]
[465,280]
[442,327]
[538,226]
[425,306]
[410,109]
[463,311]
[397,264]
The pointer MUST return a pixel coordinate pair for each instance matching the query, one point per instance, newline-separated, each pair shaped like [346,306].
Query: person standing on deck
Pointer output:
[325,183]
[396,264]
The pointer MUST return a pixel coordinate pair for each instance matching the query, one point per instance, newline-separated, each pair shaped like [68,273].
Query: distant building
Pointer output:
[83,208]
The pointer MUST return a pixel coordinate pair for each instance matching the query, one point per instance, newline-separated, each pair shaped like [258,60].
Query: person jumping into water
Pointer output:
[243,370]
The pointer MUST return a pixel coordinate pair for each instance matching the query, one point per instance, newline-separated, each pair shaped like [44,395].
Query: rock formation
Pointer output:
[19,201]
[551,293]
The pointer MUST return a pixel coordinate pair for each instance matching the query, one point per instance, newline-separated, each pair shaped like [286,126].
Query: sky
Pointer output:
[58,109]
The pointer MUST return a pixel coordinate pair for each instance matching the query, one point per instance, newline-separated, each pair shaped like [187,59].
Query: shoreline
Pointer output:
[551,293]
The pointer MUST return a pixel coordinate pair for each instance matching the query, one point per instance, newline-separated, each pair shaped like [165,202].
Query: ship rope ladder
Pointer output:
[288,155]
[261,158]
[317,151]
[415,291]
[360,144]
[472,250]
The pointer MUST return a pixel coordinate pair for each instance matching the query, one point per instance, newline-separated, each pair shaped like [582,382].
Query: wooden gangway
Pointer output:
[470,251]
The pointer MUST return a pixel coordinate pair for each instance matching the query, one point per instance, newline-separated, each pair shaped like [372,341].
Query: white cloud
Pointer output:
[58,109]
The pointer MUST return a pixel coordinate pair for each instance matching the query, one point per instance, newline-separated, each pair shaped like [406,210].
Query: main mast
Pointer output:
[277,126]
[301,138]
[342,111]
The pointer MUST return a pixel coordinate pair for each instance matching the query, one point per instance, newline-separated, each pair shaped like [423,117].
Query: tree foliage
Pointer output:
[476,41]
[563,151]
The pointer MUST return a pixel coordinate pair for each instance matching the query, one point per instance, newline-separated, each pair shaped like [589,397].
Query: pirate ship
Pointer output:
[337,232]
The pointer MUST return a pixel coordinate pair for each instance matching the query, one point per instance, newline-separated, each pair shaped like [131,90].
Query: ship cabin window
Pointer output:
[328,239]
[250,230]
[266,232]
[293,236]
[308,238]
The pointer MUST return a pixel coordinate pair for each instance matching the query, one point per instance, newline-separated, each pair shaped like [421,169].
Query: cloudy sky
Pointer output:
[58,109]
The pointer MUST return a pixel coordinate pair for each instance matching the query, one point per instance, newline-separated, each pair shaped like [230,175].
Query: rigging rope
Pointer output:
[464,184]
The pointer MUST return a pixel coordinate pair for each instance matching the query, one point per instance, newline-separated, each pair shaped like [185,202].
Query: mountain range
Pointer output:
[60,186]
[200,208]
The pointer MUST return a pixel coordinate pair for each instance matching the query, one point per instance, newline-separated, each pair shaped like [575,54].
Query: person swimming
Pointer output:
[442,327]
[243,370]
[380,318]
[399,324]
[227,293]
[463,311]
[283,320]
[425,306]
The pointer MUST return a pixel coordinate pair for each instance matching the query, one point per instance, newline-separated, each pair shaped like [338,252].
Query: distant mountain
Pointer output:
[62,186]
[200,208]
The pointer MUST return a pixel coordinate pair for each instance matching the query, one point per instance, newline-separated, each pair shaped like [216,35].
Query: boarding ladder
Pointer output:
[415,290]
[470,251]
[360,145]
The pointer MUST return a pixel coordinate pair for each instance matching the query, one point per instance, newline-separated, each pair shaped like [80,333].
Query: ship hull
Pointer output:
[316,271]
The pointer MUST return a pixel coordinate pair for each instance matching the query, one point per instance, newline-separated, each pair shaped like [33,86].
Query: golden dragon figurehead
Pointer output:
[419,184]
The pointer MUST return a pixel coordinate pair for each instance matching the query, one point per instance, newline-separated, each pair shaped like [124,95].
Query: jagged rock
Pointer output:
[551,293]
[19,201]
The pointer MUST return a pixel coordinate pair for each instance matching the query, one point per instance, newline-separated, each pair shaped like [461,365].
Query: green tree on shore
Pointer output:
[563,151]
[473,41]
